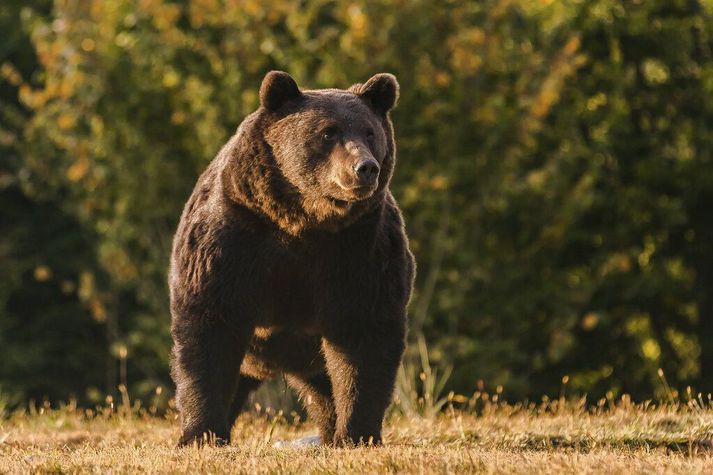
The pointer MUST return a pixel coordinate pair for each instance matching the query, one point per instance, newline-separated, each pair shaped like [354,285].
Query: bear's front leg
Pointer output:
[362,361]
[205,367]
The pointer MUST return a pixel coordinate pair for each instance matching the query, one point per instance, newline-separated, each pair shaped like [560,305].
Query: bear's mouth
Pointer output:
[338,202]
[354,193]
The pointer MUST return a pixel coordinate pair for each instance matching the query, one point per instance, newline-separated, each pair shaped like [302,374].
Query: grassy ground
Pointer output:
[496,438]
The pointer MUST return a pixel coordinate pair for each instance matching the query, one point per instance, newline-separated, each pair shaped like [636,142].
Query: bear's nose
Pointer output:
[367,170]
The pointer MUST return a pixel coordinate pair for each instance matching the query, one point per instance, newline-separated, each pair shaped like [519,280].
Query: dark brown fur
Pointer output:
[286,262]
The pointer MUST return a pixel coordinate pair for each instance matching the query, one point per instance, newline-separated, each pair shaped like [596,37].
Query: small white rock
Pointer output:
[309,441]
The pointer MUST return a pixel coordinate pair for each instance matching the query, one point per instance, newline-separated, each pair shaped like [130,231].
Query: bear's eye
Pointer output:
[370,134]
[329,135]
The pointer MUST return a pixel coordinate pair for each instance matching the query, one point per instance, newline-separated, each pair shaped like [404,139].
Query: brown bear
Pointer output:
[291,258]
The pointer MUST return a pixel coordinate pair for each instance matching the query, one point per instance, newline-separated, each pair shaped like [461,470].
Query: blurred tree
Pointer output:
[49,346]
[555,167]
[635,124]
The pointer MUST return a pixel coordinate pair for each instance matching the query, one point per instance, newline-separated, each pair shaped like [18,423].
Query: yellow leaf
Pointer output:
[178,117]
[77,171]
[171,78]
[590,321]
[98,310]
[572,45]
[442,78]
[65,121]
[439,182]
[42,273]
[88,44]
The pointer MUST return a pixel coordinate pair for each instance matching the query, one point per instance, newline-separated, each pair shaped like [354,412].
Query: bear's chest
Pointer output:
[289,291]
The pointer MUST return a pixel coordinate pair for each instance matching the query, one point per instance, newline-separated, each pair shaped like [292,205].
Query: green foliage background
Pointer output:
[555,170]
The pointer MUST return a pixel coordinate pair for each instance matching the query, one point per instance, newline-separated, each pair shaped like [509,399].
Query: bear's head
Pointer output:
[324,156]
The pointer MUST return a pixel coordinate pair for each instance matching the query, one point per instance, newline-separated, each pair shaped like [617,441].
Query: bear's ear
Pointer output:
[381,91]
[277,88]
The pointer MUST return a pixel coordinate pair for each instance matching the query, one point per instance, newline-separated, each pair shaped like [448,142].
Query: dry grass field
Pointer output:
[491,437]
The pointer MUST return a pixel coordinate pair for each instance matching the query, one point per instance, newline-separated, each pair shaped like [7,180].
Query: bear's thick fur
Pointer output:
[291,258]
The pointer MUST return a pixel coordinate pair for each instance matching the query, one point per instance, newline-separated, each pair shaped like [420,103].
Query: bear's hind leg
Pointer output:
[205,367]
[246,385]
[316,394]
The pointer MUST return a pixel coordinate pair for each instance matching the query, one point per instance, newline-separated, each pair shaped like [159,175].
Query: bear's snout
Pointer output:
[358,180]
[357,173]
[367,171]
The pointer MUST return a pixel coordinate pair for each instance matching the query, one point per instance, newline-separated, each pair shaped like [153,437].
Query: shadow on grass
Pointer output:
[585,444]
